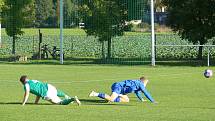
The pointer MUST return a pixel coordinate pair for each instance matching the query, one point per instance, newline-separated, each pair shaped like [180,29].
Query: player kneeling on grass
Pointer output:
[46,92]
[121,89]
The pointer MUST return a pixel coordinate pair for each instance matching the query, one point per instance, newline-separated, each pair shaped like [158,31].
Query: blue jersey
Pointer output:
[132,86]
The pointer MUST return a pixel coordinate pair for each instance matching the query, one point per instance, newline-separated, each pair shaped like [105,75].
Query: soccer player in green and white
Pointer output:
[45,91]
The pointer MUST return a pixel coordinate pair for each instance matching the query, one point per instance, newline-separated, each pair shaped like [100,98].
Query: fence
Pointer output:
[115,31]
[129,48]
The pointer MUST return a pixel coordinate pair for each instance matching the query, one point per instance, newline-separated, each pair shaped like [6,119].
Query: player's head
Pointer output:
[23,79]
[144,80]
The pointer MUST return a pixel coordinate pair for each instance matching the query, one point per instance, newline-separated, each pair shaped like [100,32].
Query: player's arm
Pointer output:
[37,99]
[26,95]
[139,96]
[146,93]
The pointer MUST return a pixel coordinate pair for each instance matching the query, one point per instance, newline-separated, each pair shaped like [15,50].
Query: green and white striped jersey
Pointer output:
[36,87]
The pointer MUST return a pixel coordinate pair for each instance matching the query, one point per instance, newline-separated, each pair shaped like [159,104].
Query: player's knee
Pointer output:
[115,99]
[118,99]
[127,100]
[112,99]
[54,101]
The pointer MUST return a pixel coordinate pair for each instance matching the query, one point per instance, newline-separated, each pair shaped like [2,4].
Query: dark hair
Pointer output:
[142,78]
[22,79]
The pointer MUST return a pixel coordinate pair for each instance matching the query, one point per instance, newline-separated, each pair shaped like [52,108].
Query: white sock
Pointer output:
[95,94]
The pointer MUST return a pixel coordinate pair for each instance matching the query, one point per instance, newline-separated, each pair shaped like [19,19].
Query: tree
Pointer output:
[16,14]
[70,10]
[193,20]
[136,9]
[158,4]
[104,19]
[1,4]
[44,11]
[71,13]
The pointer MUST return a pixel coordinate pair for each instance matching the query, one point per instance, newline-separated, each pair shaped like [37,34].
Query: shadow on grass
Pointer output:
[101,102]
[82,61]
[18,103]
[114,61]
[84,102]
[93,101]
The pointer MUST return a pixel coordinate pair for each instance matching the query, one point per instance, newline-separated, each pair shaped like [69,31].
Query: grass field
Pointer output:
[182,92]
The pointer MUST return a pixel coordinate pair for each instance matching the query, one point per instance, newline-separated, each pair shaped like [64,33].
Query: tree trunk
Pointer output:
[109,48]
[103,49]
[14,46]
[200,53]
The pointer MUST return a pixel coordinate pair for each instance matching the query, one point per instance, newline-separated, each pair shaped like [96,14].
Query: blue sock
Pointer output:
[101,95]
[117,99]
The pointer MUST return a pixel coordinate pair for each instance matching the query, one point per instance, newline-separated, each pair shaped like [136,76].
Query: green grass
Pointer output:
[48,31]
[182,92]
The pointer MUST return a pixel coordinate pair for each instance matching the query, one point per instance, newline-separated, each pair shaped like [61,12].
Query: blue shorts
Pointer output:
[116,88]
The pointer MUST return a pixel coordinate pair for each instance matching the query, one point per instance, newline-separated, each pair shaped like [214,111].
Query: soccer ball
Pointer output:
[208,73]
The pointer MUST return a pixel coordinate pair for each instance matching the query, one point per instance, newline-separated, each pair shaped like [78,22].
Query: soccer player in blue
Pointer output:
[121,89]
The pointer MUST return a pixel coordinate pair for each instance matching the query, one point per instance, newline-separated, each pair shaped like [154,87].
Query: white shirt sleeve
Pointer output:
[27,87]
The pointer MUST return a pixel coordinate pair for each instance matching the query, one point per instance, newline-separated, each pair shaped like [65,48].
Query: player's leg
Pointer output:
[67,98]
[113,97]
[124,98]
[60,93]
[54,99]
[57,100]
[52,96]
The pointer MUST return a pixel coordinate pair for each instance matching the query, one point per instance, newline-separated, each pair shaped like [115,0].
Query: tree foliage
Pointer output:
[71,13]
[16,14]
[194,20]
[158,4]
[1,4]
[104,19]
[48,13]
[136,9]
[44,11]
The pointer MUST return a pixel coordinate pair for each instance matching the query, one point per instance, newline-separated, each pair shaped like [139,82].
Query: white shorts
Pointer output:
[52,95]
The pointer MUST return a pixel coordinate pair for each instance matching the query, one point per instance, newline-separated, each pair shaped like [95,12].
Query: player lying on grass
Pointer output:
[45,91]
[121,89]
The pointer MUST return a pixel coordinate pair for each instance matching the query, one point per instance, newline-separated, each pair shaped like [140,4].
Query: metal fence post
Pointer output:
[152,33]
[61,32]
